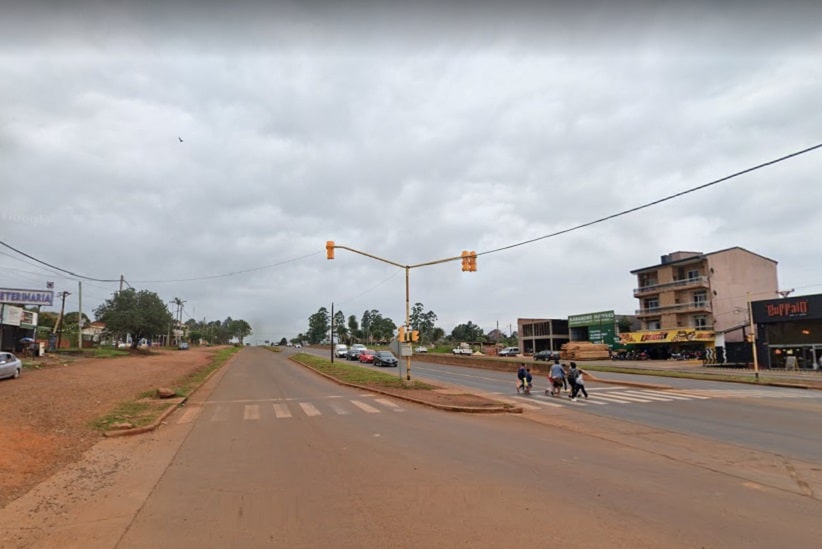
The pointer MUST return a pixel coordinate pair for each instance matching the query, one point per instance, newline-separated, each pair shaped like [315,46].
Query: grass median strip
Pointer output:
[146,407]
[358,375]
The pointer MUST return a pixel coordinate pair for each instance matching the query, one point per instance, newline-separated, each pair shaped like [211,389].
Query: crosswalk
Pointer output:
[619,395]
[281,409]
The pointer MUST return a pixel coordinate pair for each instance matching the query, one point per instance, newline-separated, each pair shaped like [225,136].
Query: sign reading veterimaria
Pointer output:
[27,297]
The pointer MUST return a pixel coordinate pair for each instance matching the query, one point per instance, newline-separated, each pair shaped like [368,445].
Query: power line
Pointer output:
[655,202]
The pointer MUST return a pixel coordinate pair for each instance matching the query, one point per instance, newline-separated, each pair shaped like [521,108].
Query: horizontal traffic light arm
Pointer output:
[427,263]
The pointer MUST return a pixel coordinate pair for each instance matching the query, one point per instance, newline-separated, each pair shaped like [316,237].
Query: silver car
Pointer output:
[10,366]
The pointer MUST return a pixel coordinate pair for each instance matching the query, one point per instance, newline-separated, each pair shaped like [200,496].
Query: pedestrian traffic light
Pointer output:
[466,261]
[329,249]
[415,335]
[472,261]
[401,333]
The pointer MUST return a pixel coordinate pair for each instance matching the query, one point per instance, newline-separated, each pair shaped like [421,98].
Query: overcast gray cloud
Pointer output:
[408,133]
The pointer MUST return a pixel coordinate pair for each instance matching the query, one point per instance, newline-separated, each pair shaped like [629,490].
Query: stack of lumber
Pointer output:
[583,350]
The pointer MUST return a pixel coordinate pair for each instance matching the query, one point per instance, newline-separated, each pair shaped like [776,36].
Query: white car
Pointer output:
[421,349]
[10,366]
[340,350]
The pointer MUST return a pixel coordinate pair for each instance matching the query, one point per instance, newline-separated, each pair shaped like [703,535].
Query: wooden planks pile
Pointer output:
[583,350]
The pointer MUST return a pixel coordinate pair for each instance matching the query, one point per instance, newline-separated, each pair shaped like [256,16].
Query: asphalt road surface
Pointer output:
[277,456]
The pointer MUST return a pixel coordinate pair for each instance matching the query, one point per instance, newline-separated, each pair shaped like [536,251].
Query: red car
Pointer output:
[367,355]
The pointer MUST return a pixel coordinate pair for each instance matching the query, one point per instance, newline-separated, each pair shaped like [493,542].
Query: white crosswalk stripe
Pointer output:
[287,408]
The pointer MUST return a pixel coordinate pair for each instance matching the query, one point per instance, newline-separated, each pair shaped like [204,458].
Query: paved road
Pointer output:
[773,419]
[277,456]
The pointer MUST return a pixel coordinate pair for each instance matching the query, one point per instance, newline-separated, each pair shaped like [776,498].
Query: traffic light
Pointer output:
[415,335]
[749,338]
[472,261]
[401,333]
[466,261]
[329,249]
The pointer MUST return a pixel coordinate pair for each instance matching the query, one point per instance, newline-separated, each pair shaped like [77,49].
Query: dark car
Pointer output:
[384,358]
[546,355]
[353,353]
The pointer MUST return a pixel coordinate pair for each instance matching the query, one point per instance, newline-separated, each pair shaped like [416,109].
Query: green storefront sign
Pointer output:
[600,326]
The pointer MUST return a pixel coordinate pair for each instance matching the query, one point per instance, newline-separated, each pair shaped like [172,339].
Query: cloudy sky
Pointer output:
[410,134]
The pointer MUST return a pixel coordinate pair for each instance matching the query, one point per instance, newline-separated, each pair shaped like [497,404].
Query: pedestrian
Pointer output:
[572,380]
[577,382]
[522,374]
[556,378]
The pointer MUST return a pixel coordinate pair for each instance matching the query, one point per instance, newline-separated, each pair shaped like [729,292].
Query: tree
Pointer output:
[318,326]
[142,314]
[467,332]
[283,342]
[239,329]
[339,327]
[354,328]
[423,322]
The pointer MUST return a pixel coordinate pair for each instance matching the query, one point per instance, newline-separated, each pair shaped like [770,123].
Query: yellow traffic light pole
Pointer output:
[469,263]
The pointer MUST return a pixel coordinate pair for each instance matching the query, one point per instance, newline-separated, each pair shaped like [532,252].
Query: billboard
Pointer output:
[27,297]
[680,335]
[591,319]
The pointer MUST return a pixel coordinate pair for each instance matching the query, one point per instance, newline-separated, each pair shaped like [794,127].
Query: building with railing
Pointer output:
[708,292]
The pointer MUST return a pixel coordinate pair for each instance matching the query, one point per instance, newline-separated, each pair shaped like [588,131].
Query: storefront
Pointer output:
[594,327]
[664,344]
[789,332]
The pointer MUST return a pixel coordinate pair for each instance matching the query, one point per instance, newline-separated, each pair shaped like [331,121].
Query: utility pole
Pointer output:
[58,326]
[332,333]
[753,338]
[122,281]
[79,314]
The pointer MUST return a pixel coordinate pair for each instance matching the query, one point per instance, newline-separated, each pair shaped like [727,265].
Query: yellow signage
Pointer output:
[685,335]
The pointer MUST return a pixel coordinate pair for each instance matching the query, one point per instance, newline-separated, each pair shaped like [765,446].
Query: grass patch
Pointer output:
[185,386]
[146,407]
[137,413]
[350,373]
[673,373]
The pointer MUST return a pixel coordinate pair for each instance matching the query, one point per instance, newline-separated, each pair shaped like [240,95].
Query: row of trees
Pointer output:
[144,315]
[373,327]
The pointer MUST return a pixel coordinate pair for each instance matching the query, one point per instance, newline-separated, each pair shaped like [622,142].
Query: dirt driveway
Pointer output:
[47,415]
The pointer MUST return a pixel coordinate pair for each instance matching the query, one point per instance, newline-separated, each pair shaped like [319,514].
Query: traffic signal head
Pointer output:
[415,335]
[401,333]
[329,249]
[466,261]
[472,261]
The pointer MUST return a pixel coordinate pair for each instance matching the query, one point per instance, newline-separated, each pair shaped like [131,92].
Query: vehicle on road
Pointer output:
[183,346]
[462,349]
[509,351]
[421,349]
[354,351]
[384,358]
[10,366]
[340,350]
[547,356]
[366,356]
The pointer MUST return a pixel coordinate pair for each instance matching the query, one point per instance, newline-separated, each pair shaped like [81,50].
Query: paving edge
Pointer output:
[501,409]
[161,419]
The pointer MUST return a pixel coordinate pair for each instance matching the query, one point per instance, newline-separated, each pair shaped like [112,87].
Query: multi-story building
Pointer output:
[708,292]
[542,334]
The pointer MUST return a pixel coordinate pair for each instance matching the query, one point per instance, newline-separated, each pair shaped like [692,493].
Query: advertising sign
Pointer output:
[793,308]
[12,315]
[591,319]
[680,335]
[27,297]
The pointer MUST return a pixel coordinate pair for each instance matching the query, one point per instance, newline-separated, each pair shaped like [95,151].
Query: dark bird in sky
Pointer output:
[181,139]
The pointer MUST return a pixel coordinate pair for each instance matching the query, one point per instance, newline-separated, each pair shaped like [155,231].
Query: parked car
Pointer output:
[384,358]
[421,349]
[462,349]
[340,350]
[10,366]
[366,355]
[183,346]
[509,351]
[546,355]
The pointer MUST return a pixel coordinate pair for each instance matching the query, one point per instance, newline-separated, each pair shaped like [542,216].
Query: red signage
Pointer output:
[793,308]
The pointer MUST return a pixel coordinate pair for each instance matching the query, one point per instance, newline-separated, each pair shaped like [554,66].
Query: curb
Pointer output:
[161,419]
[446,407]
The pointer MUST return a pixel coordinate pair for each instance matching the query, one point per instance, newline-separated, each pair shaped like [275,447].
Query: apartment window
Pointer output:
[654,325]
[651,303]
[700,298]
[693,274]
[700,321]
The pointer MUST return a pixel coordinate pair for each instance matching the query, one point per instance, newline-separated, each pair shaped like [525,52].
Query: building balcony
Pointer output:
[690,307]
[682,284]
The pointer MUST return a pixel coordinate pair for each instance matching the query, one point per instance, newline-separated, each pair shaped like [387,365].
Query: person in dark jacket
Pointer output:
[575,377]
